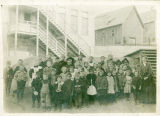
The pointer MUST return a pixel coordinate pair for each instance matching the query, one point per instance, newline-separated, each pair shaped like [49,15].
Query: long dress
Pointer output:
[148,89]
[127,87]
[111,85]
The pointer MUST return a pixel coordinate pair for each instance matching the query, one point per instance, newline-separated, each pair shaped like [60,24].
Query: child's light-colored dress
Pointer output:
[127,87]
[111,85]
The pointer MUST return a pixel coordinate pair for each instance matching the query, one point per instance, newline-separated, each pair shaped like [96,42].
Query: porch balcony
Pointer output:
[24,27]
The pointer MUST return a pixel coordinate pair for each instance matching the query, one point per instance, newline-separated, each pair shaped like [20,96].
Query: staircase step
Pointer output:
[151,58]
[149,52]
[153,64]
[151,55]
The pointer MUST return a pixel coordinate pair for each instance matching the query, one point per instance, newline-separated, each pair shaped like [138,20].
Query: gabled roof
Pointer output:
[148,16]
[114,18]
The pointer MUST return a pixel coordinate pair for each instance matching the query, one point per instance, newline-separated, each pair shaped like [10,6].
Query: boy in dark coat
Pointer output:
[8,76]
[77,91]
[102,85]
[58,93]
[20,63]
[121,79]
[83,81]
[136,85]
[36,89]
[21,77]
[68,91]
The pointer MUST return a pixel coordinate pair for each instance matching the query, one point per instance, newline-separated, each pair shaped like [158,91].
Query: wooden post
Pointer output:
[16,31]
[56,46]
[37,36]
[65,41]
[78,29]
[47,37]
[65,45]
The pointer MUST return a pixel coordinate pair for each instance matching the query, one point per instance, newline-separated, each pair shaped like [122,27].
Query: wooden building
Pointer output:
[120,27]
[149,19]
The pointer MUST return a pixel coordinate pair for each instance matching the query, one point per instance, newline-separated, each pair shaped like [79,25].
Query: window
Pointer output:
[84,25]
[61,16]
[112,32]
[61,20]
[27,16]
[74,20]
[100,38]
[117,35]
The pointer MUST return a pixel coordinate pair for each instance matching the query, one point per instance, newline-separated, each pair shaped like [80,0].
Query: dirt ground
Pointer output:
[120,106]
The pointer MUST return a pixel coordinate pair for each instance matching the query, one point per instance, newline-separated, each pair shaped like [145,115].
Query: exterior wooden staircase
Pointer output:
[151,57]
[72,37]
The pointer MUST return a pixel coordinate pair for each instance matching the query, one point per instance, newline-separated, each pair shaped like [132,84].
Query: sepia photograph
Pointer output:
[79,58]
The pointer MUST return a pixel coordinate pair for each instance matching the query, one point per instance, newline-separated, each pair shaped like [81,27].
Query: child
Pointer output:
[77,91]
[21,77]
[136,85]
[83,81]
[64,73]
[53,80]
[49,72]
[91,83]
[102,62]
[8,75]
[111,87]
[58,93]
[91,61]
[72,72]
[101,83]
[121,78]
[114,73]
[68,91]
[86,67]
[36,88]
[45,95]
[127,86]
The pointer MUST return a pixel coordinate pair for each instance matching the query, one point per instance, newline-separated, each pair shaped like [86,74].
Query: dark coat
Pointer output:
[91,77]
[37,84]
[17,68]
[68,89]
[148,90]
[8,73]
[77,88]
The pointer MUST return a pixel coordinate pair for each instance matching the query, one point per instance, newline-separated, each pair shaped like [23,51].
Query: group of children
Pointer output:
[66,83]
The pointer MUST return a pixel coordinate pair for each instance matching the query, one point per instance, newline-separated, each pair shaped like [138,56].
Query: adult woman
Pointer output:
[147,81]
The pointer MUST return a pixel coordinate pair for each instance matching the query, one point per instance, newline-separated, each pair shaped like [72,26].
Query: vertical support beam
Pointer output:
[56,46]
[65,41]
[79,29]
[79,52]
[37,36]
[47,36]
[16,31]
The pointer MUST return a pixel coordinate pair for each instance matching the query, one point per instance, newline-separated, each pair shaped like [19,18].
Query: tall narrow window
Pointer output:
[61,16]
[84,27]
[74,20]
[27,16]
[117,35]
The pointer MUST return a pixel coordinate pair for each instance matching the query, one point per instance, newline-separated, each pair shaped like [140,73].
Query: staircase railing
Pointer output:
[74,37]
[53,43]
